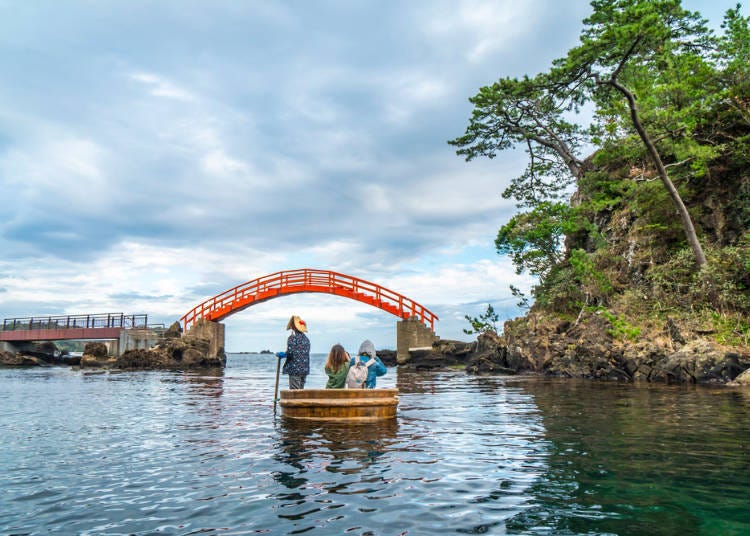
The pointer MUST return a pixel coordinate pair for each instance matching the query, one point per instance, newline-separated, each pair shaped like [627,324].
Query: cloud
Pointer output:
[159,87]
[482,27]
[152,156]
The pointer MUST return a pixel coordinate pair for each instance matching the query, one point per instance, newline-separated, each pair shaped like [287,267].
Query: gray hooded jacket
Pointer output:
[367,351]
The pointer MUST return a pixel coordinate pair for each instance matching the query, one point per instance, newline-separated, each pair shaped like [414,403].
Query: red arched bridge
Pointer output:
[307,280]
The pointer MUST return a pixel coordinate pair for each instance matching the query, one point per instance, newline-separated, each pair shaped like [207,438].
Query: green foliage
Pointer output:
[594,283]
[532,239]
[644,62]
[723,283]
[602,191]
[523,300]
[731,329]
[671,108]
[485,322]
[531,113]
[733,56]
[559,291]
[731,124]
[621,329]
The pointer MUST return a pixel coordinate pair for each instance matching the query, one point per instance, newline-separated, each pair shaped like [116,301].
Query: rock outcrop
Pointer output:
[174,353]
[10,359]
[95,356]
[442,354]
[588,349]
[388,357]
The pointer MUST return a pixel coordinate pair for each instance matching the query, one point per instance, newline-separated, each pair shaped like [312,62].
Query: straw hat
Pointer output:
[297,323]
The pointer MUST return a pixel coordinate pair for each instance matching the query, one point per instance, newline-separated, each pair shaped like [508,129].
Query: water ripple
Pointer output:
[142,453]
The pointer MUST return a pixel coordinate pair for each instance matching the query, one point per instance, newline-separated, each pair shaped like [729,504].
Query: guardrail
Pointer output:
[104,320]
[307,280]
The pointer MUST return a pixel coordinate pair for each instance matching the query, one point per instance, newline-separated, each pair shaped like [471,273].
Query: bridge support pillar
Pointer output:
[6,346]
[411,333]
[133,339]
[213,331]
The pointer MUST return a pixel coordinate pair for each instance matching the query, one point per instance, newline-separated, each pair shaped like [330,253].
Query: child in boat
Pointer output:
[337,367]
[365,353]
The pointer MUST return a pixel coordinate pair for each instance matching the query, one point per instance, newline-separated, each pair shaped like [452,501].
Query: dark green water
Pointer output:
[172,453]
[641,460]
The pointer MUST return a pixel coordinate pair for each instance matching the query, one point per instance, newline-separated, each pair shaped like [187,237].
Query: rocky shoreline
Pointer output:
[587,349]
[173,352]
[535,343]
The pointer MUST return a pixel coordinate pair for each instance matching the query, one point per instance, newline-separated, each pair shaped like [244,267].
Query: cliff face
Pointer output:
[628,302]
[588,349]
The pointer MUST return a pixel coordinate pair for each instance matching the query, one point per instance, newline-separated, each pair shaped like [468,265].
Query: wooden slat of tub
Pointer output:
[343,402]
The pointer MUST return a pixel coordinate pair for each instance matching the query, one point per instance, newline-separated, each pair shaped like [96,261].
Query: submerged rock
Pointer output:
[92,361]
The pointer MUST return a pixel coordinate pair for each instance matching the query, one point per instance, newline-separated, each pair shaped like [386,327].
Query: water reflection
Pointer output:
[415,382]
[637,460]
[178,453]
[346,448]
[411,382]
[322,465]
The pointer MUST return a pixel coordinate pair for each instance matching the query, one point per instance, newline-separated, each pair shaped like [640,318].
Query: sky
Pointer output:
[156,153]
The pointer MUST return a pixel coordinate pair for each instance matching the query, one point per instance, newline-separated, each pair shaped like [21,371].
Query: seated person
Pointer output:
[336,367]
[365,353]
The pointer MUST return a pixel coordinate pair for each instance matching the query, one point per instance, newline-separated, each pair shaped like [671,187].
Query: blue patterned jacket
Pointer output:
[297,355]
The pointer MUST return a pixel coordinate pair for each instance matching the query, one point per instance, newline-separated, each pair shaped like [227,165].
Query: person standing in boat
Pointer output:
[297,364]
[365,353]
[337,366]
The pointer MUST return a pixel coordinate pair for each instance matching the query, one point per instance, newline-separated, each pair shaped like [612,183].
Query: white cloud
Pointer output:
[481,27]
[161,87]
[252,144]
[58,169]
[218,163]
[408,93]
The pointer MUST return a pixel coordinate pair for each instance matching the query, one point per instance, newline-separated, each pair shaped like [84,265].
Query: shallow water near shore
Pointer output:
[201,453]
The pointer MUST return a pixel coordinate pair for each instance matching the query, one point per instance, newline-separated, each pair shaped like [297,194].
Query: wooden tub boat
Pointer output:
[339,404]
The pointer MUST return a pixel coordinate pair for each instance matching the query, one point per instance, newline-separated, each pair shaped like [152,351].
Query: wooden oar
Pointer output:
[276,389]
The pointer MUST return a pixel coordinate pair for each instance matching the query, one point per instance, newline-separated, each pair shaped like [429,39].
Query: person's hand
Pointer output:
[281,355]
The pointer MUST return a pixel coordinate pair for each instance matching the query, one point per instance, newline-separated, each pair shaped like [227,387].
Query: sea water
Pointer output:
[106,453]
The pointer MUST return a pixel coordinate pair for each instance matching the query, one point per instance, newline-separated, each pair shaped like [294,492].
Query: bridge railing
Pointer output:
[307,280]
[105,320]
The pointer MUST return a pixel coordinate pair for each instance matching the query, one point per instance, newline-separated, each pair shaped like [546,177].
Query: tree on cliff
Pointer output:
[656,50]
[530,112]
[643,64]
[485,322]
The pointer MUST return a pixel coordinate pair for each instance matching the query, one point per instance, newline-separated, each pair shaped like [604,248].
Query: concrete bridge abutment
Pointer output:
[412,333]
[213,331]
[133,339]
[11,347]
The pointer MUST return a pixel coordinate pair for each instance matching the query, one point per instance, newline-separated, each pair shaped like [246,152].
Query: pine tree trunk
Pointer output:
[687,222]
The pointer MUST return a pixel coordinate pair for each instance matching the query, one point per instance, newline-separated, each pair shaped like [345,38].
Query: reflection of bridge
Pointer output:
[415,329]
